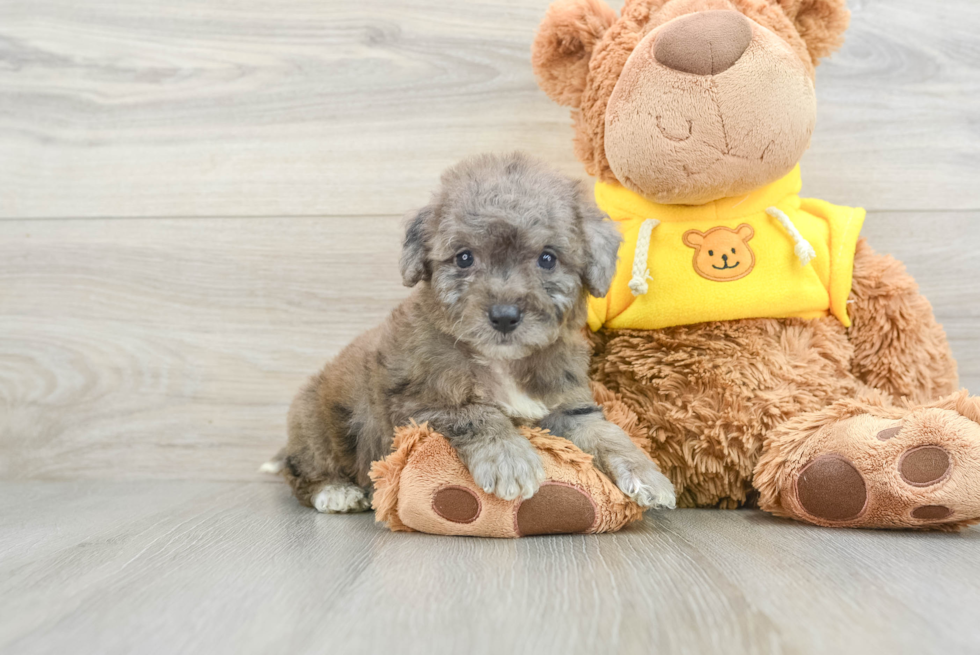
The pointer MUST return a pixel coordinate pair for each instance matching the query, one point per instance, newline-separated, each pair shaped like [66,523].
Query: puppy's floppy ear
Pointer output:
[821,24]
[563,46]
[602,239]
[415,249]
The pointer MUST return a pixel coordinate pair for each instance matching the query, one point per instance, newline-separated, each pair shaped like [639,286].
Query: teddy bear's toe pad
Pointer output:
[931,513]
[924,466]
[556,509]
[831,488]
[456,504]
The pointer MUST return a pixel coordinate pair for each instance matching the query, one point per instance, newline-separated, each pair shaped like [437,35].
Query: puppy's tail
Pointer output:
[276,464]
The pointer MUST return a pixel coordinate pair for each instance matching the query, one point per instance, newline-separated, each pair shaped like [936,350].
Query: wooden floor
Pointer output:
[237,567]
[200,203]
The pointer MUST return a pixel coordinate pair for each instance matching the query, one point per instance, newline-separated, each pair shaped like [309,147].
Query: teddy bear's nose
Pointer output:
[705,43]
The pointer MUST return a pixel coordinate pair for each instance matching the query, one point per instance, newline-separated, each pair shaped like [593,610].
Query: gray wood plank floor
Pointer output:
[200,203]
[198,567]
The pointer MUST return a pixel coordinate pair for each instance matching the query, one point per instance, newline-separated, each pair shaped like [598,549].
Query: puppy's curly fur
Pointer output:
[500,232]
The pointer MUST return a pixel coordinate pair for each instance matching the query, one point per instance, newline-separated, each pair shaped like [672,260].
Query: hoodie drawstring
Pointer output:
[641,272]
[803,249]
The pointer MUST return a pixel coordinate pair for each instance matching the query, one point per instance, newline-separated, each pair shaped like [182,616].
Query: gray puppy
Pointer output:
[502,261]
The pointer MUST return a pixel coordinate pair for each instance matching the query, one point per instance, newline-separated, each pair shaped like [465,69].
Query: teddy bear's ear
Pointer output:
[563,46]
[821,23]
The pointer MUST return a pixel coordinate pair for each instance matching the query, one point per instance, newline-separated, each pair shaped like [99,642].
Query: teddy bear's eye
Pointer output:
[711,253]
[733,251]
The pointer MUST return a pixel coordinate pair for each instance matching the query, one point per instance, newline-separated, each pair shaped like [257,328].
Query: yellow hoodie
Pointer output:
[770,254]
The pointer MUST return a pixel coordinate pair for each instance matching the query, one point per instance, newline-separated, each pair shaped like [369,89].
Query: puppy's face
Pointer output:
[507,280]
[509,249]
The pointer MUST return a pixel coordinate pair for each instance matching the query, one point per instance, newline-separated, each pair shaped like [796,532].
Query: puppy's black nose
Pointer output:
[505,318]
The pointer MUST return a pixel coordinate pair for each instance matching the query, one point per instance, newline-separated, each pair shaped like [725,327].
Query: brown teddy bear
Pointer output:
[765,352]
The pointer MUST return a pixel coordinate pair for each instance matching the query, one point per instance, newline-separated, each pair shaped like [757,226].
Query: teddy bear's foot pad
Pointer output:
[831,488]
[556,509]
[917,470]
[423,486]
[456,504]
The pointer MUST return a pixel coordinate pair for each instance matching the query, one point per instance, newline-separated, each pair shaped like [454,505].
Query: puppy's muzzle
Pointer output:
[505,318]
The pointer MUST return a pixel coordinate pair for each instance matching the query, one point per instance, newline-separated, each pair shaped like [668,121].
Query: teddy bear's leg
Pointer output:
[899,347]
[701,398]
[424,486]
[868,464]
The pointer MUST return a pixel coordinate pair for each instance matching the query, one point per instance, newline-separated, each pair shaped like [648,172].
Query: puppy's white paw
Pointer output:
[341,499]
[507,468]
[642,481]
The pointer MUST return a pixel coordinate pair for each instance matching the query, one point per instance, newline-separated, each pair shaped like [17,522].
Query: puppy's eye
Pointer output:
[547,260]
[464,259]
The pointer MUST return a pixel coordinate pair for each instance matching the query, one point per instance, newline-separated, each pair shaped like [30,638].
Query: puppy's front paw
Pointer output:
[642,481]
[508,468]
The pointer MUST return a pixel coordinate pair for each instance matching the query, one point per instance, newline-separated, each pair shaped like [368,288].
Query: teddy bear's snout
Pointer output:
[704,43]
[701,112]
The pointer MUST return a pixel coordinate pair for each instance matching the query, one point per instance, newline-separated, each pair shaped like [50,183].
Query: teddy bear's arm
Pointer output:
[898,345]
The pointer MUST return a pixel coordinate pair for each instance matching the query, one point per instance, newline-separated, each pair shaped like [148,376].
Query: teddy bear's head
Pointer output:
[688,101]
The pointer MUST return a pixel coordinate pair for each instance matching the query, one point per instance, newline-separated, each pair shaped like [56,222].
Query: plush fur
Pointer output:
[737,412]
[899,347]
[562,52]
[710,393]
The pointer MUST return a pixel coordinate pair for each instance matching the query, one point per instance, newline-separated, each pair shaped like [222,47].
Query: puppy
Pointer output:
[492,337]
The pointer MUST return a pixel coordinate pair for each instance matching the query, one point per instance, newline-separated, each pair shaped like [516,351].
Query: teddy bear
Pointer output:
[764,352]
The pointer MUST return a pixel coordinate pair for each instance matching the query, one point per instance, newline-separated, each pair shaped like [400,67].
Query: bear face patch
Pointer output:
[722,254]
